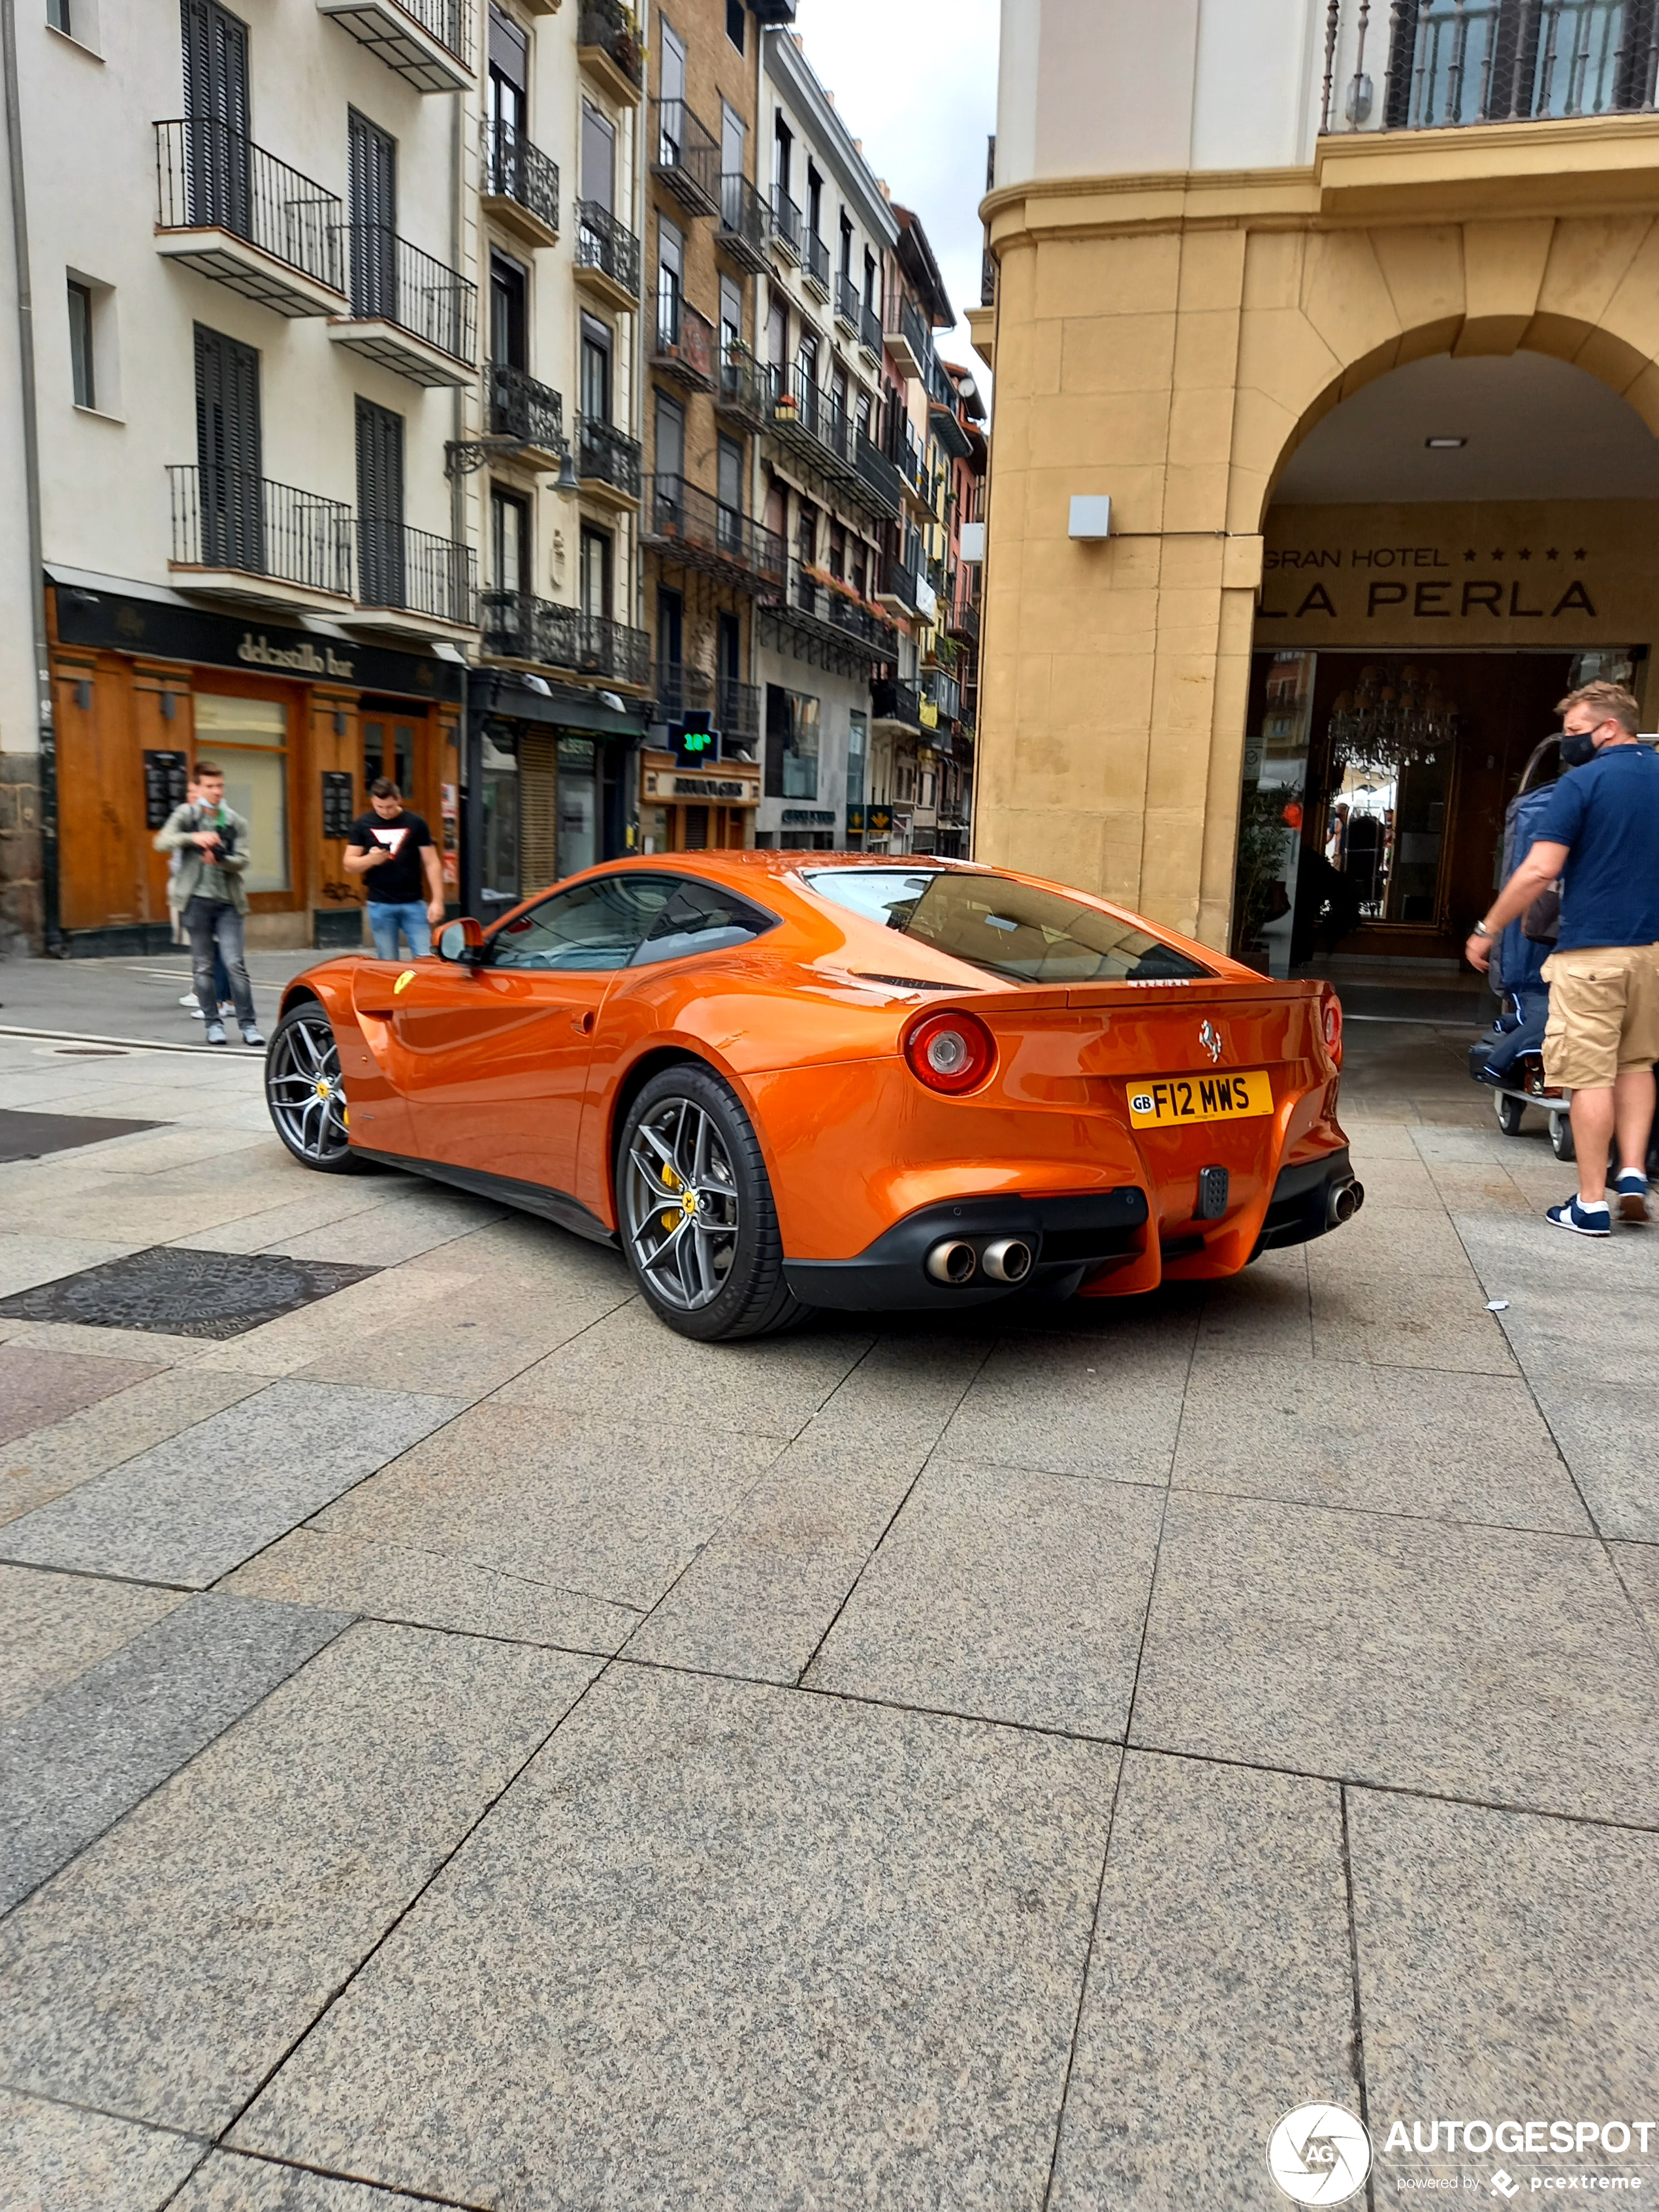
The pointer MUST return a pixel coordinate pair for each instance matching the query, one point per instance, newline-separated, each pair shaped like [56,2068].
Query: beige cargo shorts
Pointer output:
[1604,1014]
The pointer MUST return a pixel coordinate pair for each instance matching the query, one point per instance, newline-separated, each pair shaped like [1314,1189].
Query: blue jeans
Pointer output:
[387,918]
[214,931]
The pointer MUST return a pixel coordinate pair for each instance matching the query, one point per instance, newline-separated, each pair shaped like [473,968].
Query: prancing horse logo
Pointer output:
[1210,1038]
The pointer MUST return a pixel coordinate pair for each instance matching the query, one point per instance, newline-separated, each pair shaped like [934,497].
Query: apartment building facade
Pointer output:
[1347,313]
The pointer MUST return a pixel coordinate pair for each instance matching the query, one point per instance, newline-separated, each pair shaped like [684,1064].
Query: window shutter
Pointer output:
[538,809]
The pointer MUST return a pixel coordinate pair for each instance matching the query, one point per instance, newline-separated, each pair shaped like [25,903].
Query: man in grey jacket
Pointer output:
[211,841]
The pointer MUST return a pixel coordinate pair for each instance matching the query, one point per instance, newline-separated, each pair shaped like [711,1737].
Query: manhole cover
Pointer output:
[28,1136]
[85,1052]
[179,1293]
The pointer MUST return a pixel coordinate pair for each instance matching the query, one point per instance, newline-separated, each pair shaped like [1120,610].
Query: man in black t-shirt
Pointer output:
[393,849]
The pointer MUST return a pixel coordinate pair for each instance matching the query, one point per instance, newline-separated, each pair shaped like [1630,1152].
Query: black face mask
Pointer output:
[1577,746]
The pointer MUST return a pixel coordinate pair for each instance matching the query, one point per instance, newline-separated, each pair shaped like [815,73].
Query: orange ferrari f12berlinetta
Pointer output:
[784,1081]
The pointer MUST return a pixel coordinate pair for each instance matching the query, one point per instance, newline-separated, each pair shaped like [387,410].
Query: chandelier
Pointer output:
[1383,725]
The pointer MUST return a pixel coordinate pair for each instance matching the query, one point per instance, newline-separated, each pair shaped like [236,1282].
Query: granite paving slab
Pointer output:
[189,1510]
[1526,1247]
[725,1946]
[1570,1336]
[1219,1994]
[55,2159]
[50,1461]
[572,1501]
[1535,1997]
[52,1627]
[392,1295]
[393,1581]
[455,1353]
[1638,1570]
[1393,1322]
[91,1750]
[1006,1595]
[1265,1312]
[430,1215]
[168,1969]
[231,2181]
[1104,1402]
[1470,1662]
[1377,1245]
[1608,1433]
[631,1362]
[28,1260]
[38,1388]
[323,1199]
[1334,1432]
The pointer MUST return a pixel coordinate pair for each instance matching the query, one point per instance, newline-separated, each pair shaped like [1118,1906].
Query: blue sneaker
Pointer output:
[1583,1221]
[1632,1190]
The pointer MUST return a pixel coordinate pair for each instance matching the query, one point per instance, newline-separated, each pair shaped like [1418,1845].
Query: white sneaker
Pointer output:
[189,999]
[226,1006]
[197,1015]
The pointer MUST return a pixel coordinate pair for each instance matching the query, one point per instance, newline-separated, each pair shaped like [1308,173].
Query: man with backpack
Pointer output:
[1599,836]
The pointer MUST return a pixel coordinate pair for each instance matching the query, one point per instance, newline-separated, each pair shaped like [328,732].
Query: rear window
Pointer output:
[1013,929]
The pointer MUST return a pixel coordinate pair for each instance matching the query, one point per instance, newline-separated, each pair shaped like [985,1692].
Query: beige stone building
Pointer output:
[1352,313]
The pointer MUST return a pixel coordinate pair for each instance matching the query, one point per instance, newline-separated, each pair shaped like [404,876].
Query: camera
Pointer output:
[227,840]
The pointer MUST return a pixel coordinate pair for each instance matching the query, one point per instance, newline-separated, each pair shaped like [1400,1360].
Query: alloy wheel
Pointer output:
[681,1202]
[306,1089]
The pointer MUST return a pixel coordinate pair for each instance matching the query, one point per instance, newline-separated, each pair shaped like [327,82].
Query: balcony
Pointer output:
[518,407]
[242,537]
[684,345]
[743,391]
[427,42]
[870,332]
[900,587]
[607,461]
[941,699]
[964,619]
[685,157]
[1440,64]
[517,626]
[834,617]
[608,48]
[408,312]
[786,224]
[896,704]
[687,526]
[848,305]
[807,421]
[947,426]
[607,256]
[745,224]
[881,484]
[909,339]
[519,184]
[733,708]
[229,211]
[409,579]
[815,265]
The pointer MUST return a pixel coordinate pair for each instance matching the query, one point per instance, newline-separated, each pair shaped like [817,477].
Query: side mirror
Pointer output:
[462,941]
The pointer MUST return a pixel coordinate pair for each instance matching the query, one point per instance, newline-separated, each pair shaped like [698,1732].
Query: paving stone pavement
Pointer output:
[461,1744]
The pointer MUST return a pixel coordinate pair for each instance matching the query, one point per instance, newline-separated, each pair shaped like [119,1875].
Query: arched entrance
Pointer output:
[1445,551]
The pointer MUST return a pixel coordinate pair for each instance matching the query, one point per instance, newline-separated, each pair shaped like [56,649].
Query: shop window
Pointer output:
[389,750]
[248,738]
[579,805]
[499,884]
[792,744]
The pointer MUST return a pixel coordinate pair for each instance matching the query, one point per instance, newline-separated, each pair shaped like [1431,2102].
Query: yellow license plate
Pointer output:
[1177,1098]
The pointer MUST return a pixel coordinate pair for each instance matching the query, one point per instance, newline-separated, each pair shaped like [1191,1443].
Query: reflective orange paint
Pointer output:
[525,1074]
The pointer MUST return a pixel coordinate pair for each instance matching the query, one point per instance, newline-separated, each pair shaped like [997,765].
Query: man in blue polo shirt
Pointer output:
[1600,834]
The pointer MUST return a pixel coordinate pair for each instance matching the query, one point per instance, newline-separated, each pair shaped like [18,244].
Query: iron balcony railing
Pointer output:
[816,261]
[685,344]
[903,319]
[847,302]
[685,156]
[1428,64]
[737,712]
[393,281]
[943,692]
[870,329]
[226,518]
[901,580]
[210,177]
[880,476]
[520,407]
[608,26]
[745,221]
[735,708]
[743,389]
[415,572]
[786,222]
[603,243]
[681,514]
[988,278]
[516,170]
[606,454]
[853,621]
[965,620]
[894,701]
[804,411]
[520,627]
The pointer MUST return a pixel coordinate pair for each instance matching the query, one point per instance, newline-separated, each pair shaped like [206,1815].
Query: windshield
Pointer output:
[1015,930]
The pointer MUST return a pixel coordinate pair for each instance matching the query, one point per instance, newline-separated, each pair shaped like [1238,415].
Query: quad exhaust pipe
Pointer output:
[1344,1202]
[954,1261]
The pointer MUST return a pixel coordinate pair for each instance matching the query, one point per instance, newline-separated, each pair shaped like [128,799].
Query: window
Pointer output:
[858,742]
[671,276]
[860,570]
[845,263]
[671,638]
[814,202]
[57,15]
[509,537]
[838,388]
[869,278]
[499,875]
[579,805]
[592,926]
[837,551]
[671,443]
[806,359]
[595,370]
[783,147]
[734,136]
[389,750]
[672,84]
[83,379]
[371,177]
[807,534]
[509,320]
[777,334]
[731,311]
[1013,929]
[248,738]
[734,22]
[792,744]
[227,453]
[380,506]
[595,571]
[509,75]
[598,159]
[729,471]
[700,919]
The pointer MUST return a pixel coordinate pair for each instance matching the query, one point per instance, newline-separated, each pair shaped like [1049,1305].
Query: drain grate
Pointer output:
[179,1293]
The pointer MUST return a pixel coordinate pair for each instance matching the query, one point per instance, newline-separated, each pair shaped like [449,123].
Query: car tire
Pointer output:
[1511,1112]
[302,1056]
[712,1268]
[1561,1137]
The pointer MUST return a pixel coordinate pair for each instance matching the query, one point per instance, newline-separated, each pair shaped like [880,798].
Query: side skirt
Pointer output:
[555,1205]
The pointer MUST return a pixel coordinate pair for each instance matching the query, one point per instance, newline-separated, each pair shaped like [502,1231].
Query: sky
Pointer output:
[916,79]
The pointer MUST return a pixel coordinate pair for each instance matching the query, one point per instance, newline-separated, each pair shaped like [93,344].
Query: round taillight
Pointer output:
[1334,1026]
[951,1052]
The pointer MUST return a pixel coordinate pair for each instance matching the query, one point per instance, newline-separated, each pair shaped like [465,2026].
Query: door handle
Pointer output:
[582,1023]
